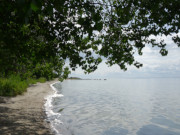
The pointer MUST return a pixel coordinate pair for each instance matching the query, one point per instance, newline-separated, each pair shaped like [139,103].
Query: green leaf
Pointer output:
[34,7]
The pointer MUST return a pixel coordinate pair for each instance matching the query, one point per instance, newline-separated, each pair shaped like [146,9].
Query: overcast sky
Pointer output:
[154,65]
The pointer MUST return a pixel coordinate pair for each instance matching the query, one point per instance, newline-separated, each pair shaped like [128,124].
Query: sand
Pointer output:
[24,114]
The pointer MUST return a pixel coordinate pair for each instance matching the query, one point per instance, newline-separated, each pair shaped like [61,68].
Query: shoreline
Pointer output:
[25,114]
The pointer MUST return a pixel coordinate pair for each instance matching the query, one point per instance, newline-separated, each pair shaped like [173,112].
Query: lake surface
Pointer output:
[116,107]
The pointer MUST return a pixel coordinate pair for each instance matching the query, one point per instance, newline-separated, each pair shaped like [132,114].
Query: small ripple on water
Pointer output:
[117,108]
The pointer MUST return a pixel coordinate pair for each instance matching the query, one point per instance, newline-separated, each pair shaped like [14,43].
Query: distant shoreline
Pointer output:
[77,78]
[25,114]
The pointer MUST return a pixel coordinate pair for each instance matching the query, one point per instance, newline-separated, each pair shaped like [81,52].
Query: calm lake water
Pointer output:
[116,107]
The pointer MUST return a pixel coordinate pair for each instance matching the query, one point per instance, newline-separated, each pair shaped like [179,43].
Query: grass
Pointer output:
[41,80]
[31,81]
[14,85]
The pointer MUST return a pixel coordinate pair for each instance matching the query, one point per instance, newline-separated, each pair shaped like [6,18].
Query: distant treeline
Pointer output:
[77,78]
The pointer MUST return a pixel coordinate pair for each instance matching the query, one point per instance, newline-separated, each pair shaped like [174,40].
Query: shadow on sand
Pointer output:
[13,122]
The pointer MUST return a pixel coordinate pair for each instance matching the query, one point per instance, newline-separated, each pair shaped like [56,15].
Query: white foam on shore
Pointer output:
[52,117]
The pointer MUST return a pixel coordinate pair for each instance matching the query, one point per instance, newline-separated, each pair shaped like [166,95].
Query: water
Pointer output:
[116,107]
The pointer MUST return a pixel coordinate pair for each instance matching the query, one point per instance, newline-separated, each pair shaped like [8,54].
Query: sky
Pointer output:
[154,65]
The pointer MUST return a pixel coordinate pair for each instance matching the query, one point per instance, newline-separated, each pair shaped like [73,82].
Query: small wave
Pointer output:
[52,117]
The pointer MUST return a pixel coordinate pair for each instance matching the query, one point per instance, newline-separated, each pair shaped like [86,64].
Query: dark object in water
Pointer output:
[60,110]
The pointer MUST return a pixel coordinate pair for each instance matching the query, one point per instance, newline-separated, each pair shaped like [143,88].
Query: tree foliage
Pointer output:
[37,37]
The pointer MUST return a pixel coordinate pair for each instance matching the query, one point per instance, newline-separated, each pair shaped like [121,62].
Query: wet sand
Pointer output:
[24,114]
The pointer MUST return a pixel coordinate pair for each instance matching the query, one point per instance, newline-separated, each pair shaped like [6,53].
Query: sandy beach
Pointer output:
[24,114]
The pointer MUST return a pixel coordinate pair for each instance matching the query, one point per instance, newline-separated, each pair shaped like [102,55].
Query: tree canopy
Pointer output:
[37,37]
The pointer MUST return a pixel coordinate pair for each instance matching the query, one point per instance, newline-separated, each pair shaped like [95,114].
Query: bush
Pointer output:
[6,87]
[41,80]
[43,70]
[12,86]
[31,81]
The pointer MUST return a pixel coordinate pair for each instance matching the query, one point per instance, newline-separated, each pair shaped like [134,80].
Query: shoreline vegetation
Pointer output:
[14,85]
[24,114]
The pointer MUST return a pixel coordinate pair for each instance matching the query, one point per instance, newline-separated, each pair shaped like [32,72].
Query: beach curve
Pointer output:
[25,114]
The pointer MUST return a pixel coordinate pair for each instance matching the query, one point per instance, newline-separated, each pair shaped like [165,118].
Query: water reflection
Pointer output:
[115,131]
[123,107]
[165,122]
[155,130]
